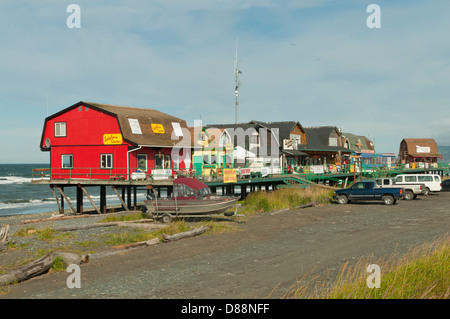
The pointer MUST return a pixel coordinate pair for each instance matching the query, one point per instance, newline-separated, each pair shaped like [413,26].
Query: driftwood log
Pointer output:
[40,266]
[124,223]
[146,243]
[63,217]
[191,233]
[51,219]
[310,204]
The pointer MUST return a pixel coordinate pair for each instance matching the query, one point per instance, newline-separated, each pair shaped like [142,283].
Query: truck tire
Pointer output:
[342,199]
[388,199]
[409,195]
[427,191]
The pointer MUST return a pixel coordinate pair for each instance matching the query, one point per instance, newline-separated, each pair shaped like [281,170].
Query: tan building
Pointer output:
[418,150]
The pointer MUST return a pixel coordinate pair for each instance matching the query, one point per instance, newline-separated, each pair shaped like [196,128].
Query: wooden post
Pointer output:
[120,198]
[79,200]
[62,198]
[129,197]
[61,211]
[90,199]
[103,199]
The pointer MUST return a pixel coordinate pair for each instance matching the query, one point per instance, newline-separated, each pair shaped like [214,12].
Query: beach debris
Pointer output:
[145,243]
[4,238]
[40,266]
[197,231]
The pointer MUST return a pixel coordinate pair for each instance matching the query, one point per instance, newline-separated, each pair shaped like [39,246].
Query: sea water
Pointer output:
[19,196]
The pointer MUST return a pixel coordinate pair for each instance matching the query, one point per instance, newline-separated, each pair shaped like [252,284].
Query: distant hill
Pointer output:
[445,151]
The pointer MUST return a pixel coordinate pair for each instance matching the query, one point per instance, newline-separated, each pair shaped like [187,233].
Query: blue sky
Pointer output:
[314,61]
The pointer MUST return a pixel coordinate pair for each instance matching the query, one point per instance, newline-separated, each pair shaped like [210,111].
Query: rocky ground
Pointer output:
[264,257]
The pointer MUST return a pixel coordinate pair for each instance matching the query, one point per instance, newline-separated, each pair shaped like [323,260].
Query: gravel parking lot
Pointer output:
[264,258]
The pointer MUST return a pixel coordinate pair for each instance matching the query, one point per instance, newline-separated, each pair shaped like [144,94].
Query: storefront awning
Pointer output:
[295,153]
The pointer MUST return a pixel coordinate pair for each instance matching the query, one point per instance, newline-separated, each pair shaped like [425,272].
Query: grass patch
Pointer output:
[263,201]
[124,217]
[219,227]
[422,273]
[46,234]
[58,264]
[127,237]
[52,235]
[137,235]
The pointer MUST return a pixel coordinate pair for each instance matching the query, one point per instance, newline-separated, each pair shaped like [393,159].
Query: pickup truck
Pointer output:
[410,191]
[367,190]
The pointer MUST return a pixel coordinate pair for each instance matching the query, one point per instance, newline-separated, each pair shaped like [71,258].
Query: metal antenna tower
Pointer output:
[238,83]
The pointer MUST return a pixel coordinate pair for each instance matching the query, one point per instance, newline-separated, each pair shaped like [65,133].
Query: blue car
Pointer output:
[446,185]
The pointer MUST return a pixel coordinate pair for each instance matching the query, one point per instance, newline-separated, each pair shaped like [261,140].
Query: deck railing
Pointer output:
[209,173]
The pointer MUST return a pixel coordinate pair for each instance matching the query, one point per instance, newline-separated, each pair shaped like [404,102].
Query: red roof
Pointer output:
[191,182]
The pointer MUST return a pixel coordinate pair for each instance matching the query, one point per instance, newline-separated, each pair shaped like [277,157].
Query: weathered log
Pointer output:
[95,225]
[4,232]
[141,225]
[39,267]
[150,242]
[50,219]
[187,234]
[310,204]
[62,217]
[123,223]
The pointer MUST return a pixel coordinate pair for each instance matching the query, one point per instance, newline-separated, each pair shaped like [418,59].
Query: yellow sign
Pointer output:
[112,139]
[229,175]
[158,128]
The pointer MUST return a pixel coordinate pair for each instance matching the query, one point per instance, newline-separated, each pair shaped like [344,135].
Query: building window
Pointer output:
[60,129]
[296,139]
[205,159]
[67,161]
[159,160]
[142,162]
[106,161]
[167,162]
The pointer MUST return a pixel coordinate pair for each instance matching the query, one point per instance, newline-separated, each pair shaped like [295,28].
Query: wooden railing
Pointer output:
[211,173]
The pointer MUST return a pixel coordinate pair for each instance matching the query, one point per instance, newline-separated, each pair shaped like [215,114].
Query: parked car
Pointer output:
[446,185]
[368,190]
[432,181]
[410,191]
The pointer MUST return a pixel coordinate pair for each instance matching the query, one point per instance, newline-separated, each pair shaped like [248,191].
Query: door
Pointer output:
[369,192]
[357,191]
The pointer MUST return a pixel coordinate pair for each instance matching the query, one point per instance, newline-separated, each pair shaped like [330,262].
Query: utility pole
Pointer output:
[236,88]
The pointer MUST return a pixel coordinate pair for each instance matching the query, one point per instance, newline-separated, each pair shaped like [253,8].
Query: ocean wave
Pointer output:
[29,203]
[15,204]
[14,180]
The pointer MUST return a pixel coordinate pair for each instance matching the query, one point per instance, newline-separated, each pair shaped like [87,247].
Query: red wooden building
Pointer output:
[99,141]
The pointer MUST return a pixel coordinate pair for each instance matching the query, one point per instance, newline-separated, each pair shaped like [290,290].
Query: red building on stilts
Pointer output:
[99,141]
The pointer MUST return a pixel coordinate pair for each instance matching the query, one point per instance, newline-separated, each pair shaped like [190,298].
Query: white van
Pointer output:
[432,181]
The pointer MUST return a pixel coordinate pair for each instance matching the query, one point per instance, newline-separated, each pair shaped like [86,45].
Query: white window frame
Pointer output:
[146,162]
[58,127]
[106,166]
[63,162]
